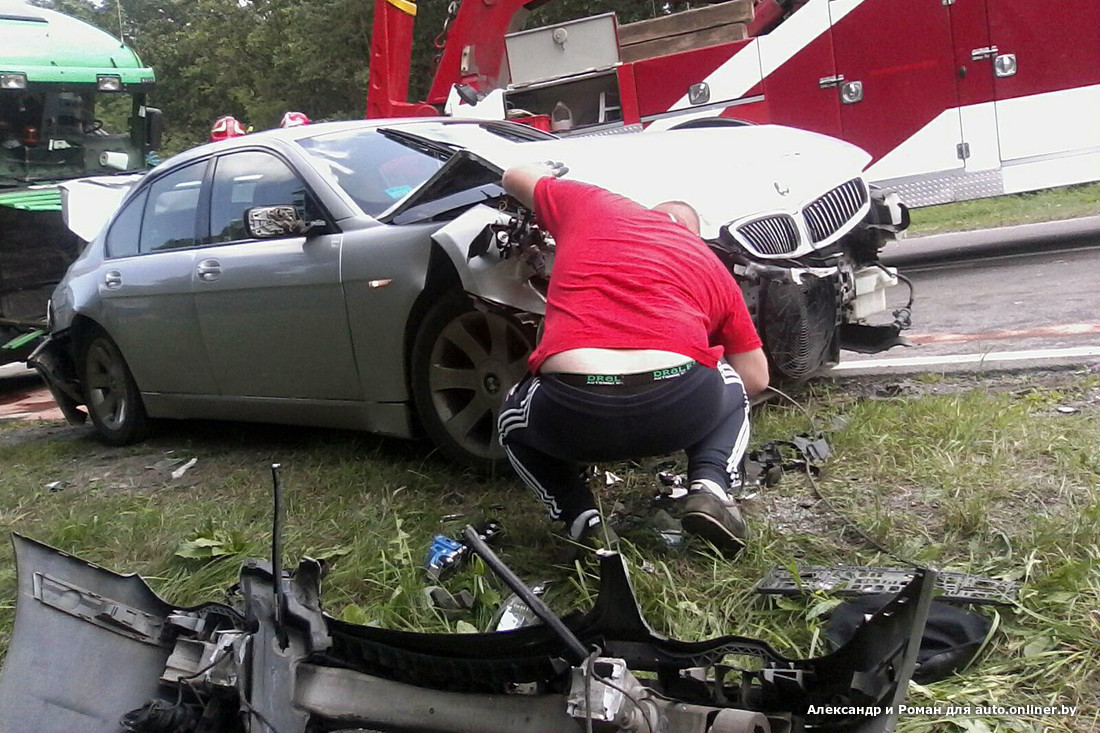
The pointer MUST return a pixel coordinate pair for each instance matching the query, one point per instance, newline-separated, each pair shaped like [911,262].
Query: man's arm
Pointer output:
[752,367]
[519,181]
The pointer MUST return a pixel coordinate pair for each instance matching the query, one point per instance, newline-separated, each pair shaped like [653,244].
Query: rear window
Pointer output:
[125,232]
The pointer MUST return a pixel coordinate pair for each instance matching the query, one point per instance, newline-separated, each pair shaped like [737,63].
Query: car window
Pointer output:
[374,170]
[247,179]
[169,221]
[125,231]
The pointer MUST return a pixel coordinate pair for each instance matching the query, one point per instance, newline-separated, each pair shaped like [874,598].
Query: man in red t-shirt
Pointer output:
[647,348]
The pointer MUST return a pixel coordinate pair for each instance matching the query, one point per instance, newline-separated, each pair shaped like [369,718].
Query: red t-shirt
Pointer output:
[627,277]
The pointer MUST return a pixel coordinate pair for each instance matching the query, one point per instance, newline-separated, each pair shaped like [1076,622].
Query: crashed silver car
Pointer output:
[373,275]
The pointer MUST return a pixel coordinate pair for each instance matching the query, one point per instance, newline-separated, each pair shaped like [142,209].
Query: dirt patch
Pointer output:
[1019,383]
[144,467]
[140,472]
[24,432]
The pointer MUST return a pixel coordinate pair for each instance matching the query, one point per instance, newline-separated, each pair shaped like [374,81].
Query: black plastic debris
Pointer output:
[952,636]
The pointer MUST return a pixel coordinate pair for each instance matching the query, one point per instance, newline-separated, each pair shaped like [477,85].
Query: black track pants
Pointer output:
[552,430]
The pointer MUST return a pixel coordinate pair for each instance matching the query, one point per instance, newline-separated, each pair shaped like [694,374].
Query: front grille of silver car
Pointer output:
[827,214]
[772,235]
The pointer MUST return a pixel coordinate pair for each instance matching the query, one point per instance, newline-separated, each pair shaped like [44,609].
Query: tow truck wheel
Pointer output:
[464,361]
[110,393]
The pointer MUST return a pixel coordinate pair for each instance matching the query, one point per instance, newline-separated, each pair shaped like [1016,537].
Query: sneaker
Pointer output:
[589,530]
[718,522]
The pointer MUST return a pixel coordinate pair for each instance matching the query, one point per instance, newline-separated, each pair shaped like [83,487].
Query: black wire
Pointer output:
[259,716]
[851,523]
[589,675]
[908,282]
[215,662]
[244,703]
[588,672]
[793,401]
[634,700]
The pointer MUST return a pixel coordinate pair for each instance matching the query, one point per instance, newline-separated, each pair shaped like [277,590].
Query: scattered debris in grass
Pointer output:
[979,474]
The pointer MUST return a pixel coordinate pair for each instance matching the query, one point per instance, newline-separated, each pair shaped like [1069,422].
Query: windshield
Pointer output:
[379,166]
[56,136]
[374,169]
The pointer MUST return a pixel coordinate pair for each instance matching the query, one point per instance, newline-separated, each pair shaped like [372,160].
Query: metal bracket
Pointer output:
[962,151]
[99,610]
[830,81]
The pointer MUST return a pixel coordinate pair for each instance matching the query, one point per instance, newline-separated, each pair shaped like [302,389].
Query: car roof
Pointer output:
[446,129]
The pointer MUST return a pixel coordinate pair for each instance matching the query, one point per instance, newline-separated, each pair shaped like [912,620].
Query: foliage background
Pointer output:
[256,59]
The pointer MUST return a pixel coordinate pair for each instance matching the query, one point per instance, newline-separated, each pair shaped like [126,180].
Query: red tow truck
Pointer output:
[954,99]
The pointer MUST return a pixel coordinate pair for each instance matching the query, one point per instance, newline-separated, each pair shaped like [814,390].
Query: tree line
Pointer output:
[256,59]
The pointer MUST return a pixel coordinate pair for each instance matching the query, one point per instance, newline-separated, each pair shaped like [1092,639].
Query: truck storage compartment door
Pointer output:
[1046,72]
[896,84]
[974,60]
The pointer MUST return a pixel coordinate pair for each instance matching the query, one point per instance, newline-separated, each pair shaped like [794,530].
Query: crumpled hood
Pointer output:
[726,173]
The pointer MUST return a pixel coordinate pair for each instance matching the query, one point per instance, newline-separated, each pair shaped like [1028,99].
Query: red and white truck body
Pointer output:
[953,99]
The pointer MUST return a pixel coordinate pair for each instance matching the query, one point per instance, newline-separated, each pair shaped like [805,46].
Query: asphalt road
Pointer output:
[954,247]
[22,395]
[1014,297]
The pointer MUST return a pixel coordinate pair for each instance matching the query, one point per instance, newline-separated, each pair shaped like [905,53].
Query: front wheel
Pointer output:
[464,361]
[110,393]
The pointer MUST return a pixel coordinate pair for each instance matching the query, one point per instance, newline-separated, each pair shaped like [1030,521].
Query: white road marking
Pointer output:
[1068,329]
[990,357]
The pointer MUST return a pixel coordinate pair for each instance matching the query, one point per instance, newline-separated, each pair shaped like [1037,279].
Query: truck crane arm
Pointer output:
[472,54]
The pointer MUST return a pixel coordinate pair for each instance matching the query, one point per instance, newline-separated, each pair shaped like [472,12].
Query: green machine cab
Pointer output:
[72,105]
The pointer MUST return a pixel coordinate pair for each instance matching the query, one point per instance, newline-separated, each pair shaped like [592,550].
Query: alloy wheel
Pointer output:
[476,358]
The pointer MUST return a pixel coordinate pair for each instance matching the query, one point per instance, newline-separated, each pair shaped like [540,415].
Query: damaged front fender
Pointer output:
[53,363]
[481,265]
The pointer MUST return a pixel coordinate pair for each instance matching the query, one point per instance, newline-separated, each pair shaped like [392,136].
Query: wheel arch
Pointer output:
[71,342]
[441,279]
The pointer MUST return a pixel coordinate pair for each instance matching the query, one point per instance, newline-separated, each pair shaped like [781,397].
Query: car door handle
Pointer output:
[112,279]
[209,270]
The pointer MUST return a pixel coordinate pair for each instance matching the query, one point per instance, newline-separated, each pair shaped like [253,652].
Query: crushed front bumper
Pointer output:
[55,364]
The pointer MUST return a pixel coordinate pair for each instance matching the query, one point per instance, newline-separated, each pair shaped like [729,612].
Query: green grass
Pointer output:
[984,478]
[1068,202]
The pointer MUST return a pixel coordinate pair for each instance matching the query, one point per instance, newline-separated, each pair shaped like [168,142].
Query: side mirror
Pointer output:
[270,222]
[154,128]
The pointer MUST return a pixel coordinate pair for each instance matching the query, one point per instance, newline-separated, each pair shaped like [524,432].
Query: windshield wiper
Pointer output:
[434,148]
[517,133]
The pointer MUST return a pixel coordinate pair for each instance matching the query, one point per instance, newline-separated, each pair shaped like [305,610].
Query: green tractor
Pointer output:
[72,105]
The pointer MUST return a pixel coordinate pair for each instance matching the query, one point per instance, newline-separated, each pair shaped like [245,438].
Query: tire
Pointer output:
[110,393]
[705,122]
[464,361]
